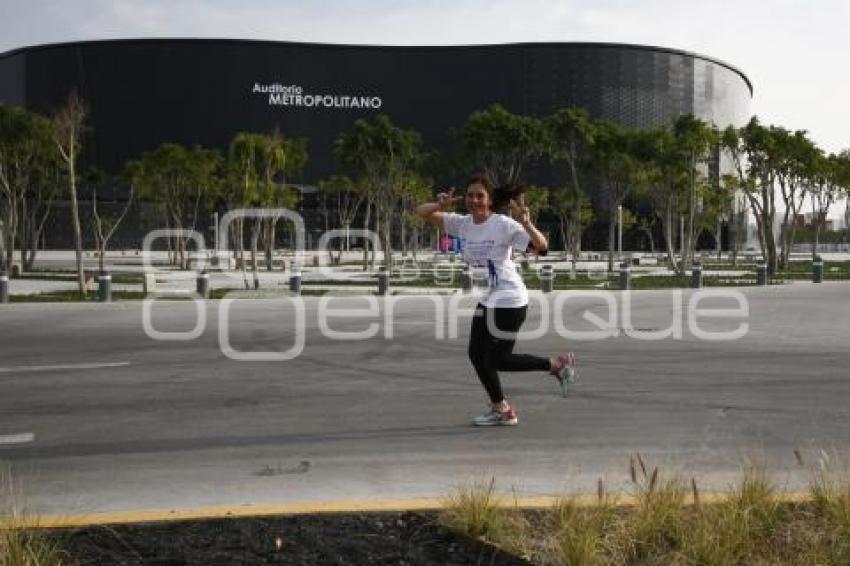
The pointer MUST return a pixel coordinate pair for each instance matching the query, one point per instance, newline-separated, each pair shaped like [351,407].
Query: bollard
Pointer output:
[295,281]
[466,280]
[383,282]
[547,278]
[4,287]
[761,273]
[696,276]
[202,284]
[817,270]
[148,283]
[104,287]
[625,277]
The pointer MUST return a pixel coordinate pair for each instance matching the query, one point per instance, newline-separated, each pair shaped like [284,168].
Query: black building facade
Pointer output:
[141,93]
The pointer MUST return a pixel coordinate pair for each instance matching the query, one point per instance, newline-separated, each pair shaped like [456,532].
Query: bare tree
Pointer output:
[348,202]
[105,226]
[67,131]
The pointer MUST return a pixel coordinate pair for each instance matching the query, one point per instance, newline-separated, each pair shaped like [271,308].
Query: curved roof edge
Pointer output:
[374,46]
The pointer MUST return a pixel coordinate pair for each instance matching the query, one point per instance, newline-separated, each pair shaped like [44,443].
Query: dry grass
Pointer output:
[830,491]
[581,531]
[476,510]
[21,545]
[668,521]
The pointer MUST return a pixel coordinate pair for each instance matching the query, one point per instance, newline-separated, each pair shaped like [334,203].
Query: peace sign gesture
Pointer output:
[520,211]
[447,198]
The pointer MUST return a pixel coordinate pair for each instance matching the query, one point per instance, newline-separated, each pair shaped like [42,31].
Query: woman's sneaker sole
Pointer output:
[495,418]
[479,421]
[566,375]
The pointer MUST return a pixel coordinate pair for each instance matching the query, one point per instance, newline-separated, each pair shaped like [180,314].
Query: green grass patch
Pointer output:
[117,277]
[74,297]
[684,282]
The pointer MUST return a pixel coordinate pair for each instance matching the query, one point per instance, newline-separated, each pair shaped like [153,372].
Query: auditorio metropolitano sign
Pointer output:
[293,95]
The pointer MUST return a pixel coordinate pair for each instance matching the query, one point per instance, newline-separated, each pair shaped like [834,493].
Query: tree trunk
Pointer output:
[366,241]
[268,244]
[791,238]
[692,205]
[403,231]
[3,261]
[416,243]
[611,237]
[101,251]
[255,234]
[28,255]
[734,235]
[75,222]
[669,236]
[817,240]
[784,238]
[13,222]
[241,248]
[388,247]
[718,235]
[373,261]
[576,229]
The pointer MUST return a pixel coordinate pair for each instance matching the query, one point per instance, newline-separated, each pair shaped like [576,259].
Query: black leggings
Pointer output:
[489,354]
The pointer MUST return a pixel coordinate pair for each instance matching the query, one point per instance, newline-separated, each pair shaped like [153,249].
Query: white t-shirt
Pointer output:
[487,250]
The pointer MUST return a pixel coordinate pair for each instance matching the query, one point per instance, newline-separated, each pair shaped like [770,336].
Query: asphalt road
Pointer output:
[96,416]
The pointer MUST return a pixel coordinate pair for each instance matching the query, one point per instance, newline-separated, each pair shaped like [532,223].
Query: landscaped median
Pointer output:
[662,518]
[425,280]
[665,519]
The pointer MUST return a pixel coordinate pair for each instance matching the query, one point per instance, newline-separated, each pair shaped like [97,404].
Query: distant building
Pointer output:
[141,93]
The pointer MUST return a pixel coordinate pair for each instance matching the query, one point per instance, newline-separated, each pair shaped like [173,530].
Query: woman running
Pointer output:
[488,239]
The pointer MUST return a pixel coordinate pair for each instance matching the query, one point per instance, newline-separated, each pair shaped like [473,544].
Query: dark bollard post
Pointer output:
[817,270]
[202,284]
[295,280]
[383,282]
[547,278]
[625,277]
[466,280]
[4,287]
[104,287]
[696,276]
[761,273]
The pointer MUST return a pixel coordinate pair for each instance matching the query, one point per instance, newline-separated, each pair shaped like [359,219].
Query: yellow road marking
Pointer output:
[312,507]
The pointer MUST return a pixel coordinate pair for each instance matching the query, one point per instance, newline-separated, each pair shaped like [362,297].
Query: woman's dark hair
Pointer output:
[501,195]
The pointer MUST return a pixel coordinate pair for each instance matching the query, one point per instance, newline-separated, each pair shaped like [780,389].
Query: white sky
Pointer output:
[794,51]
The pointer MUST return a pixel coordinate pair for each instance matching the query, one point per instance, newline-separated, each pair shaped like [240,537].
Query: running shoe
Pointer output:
[565,372]
[495,417]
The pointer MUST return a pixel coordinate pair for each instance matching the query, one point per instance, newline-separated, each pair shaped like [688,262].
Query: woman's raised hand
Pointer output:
[520,211]
[447,198]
